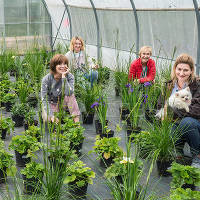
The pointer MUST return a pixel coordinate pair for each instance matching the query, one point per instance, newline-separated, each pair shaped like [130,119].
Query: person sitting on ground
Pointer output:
[143,69]
[79,62]
[59,79]
[188,124]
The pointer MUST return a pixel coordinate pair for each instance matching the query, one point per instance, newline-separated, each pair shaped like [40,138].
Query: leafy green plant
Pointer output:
[33,170]
[9,97]
[88,95]
[181,194]
[6,85]
[33,131]
[134,100]
[77,172]
[19,109]
[6,124]
[73,133]
[161,141]
[107,147]
[101,107]
[23,89]
[29,116]
[25,143]
[184,175]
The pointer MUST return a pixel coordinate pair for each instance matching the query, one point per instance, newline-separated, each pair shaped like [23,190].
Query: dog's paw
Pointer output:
[187,109]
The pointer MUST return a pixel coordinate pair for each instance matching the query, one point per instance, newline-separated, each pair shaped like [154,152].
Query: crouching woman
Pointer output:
[59,80]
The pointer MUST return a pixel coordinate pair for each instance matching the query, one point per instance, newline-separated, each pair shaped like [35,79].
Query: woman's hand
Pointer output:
[64,73]
[54,119]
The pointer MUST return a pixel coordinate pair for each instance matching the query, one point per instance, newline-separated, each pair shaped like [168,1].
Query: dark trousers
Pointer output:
[189,130]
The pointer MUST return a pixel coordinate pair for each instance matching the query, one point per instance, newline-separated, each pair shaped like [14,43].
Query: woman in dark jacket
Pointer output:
[183,75]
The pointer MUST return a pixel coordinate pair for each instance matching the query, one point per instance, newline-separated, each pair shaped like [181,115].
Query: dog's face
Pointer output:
[184,95]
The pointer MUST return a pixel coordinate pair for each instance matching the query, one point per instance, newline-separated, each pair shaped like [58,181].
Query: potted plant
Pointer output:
[74,134]
[9,100]
[151,94]
[101,107]
[182,194]
[18,113]
[107,149]
[6,163]
[184,176]
[34,131]
[6,126]
[32,175]
[29,119]
[78,177]
[24,147]
[161,143]
[87,97]
[134,101]
[59,152]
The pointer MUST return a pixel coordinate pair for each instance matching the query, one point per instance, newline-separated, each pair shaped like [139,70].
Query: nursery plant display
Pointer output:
[6,126]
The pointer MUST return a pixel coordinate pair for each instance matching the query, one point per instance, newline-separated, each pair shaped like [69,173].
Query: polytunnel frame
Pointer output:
[97,25]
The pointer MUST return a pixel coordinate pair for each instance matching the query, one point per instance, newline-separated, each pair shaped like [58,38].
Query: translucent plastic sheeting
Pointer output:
[138,3]
[60,20]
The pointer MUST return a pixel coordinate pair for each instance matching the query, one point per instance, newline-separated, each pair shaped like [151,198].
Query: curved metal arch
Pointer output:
[98,29]
[198,28]
[69,16]
[137,27]
[45,5]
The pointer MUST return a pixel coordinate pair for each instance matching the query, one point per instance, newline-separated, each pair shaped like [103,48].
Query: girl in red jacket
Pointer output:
[143,69]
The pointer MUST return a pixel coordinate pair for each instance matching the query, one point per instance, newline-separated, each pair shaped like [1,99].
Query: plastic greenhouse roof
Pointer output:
[140,4]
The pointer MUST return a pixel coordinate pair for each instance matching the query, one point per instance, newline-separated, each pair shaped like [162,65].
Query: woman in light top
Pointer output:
[79,62]
[53,84]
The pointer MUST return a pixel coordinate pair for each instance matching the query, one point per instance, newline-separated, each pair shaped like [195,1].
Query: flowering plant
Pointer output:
[134,101]
[101,107]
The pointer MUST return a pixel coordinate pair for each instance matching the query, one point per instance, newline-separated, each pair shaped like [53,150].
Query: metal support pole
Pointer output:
[59,27]
[198,29]
[45,5]
[69,17]
[137,27]
[98,30]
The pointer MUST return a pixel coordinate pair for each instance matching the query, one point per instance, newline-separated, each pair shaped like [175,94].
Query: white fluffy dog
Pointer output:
[180,100]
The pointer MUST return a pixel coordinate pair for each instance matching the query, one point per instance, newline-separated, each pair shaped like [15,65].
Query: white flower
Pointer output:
[13,57]
[126,160]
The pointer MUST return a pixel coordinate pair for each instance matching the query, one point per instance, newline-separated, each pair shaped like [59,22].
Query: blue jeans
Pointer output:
[92,76]
[189,128]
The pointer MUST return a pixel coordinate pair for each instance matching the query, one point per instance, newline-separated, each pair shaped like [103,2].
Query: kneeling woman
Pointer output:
[59,79]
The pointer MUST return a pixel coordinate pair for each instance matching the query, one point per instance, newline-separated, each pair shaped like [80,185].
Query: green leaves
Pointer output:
[79,173]
[181,194]
[184,175]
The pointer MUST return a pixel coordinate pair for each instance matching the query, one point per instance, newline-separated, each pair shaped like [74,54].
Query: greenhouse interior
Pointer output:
[99,99]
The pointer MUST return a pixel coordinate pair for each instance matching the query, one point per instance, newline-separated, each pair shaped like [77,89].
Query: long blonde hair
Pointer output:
[187,59]
[73,40]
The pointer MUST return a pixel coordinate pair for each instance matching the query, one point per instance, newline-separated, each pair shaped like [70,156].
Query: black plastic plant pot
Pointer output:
[98,126]
[3,134]
[190,186]
[162,167]
[31,185]
[109,134]
[21,159]
[87,118]
[106,162]
[8,106]
[78,192]
[3,175]
[18,119]
[123,113]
